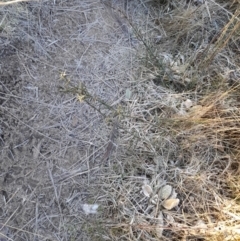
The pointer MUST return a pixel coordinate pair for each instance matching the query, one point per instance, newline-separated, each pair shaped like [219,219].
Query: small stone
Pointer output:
[165,192]
[170,203]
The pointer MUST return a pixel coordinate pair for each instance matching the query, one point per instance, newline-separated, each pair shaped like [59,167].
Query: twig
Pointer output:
[12,2]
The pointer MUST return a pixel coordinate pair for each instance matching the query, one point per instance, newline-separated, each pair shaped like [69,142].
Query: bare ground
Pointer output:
[53,145]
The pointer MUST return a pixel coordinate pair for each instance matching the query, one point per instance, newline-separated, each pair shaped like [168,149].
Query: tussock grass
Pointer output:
[195,150]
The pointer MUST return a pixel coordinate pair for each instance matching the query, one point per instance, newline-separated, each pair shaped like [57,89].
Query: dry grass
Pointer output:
[111,97]
[195,150]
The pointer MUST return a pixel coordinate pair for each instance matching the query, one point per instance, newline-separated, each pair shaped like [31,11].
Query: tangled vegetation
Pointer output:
[120,120]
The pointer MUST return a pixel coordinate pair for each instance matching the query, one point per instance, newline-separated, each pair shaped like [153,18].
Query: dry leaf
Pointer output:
[159,226]
[147,190]
[154,199]
[165,192]
[188,104]
[170,203]
[128,94]
[187,80]
[90,208]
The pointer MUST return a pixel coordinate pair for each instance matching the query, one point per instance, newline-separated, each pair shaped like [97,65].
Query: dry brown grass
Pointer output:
[195,150]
